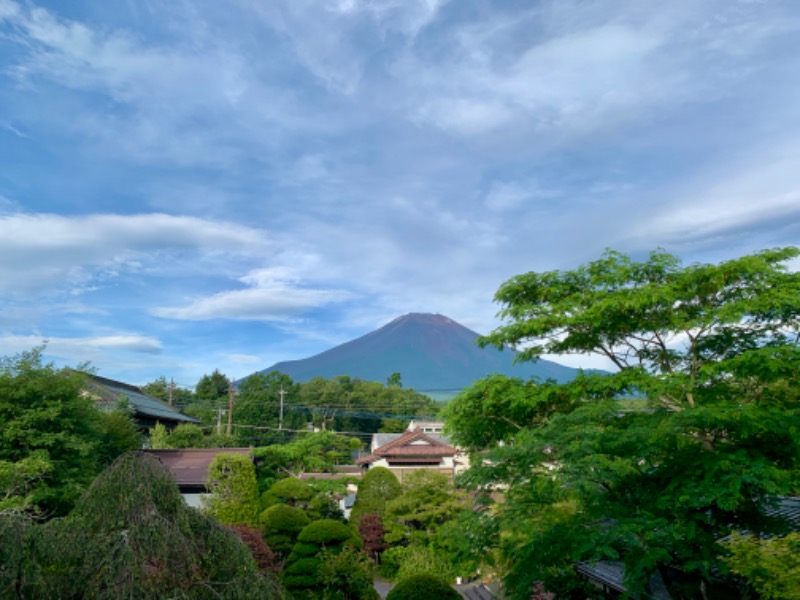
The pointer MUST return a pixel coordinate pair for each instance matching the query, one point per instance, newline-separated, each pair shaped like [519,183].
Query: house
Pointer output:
[420,446]
[190,468]
[147,411]
[411,451]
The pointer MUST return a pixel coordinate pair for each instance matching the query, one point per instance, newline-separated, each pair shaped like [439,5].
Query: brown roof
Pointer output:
[412,444]
[190,465]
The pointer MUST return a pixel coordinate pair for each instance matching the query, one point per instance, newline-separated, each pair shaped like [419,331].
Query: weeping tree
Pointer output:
[132,536]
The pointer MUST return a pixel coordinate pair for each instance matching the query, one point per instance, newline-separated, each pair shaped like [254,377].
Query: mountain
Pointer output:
[431,352]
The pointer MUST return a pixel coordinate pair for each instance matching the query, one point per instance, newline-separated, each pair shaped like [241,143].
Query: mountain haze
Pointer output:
[430,351]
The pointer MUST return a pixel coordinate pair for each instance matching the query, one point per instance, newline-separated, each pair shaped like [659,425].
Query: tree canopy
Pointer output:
[54,440]
[691,437]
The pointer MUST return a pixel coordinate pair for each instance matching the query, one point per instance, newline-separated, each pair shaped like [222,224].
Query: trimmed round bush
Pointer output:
[283,517]
[327,532]
[423,587]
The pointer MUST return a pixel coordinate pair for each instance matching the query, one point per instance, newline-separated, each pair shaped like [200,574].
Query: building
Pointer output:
[190,468]
[147,411]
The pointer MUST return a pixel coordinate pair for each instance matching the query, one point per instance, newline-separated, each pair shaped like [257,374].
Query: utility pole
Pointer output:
[220,412]
[230,404]
[280,418]
[171,387]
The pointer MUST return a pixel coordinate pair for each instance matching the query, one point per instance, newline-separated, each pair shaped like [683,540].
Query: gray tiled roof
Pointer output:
[111,392]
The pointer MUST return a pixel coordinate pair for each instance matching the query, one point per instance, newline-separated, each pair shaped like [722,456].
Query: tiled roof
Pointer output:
[411,444]
[190,465]
[111,391]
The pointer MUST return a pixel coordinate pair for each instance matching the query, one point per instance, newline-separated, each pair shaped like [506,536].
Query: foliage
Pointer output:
[423,560]
[234,490]
[423,587]
[469,541]
[346,575]
[119,435]
[291,491]
[187,435]
[318,452]
[19,479]
[47,418]
[371,531]
[428,501]
[494,409]
[265,558]
[130,536]
[771,566]
[158,437]
[282,524]
[378,486]
[160,388]
[212,387]
[302,573]
[711,352]
[258,405]
[351,404]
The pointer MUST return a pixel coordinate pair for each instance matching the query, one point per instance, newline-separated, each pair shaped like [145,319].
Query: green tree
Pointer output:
[378,486]
[346,575]
[213,387]
[258,405]
[131,535]
[302,573]
[160,388]
[234,490]
[771,566]
[45,415]
[187,435]
[425,586]
[709,355]
[428,502]
[282,524]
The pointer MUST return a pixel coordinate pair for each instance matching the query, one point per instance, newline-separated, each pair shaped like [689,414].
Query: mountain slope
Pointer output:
[431,352]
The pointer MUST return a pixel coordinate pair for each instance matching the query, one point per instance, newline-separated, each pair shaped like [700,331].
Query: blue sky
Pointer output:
[194,185]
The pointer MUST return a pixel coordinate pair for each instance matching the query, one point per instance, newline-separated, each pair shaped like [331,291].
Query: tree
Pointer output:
[378,486]
[282,524]
[234,490]
[302,573]
[771,566]
[258,405]
[708,356]
[346,575]
[131,535]
[160,388]
[423,587]
[371,531]
[428,502]
[46,416]
[213,387]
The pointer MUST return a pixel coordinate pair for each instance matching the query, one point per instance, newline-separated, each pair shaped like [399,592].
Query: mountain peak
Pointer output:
[430,351]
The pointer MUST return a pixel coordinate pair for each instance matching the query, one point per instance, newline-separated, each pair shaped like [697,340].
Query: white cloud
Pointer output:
[82,348]
[46,251]
[759,191]
[275,295]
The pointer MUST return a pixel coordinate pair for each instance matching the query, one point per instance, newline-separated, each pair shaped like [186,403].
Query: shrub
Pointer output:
[265,558]
[378,486]
[282,524]
[346,575]
[132,536]
[328,532]
[423,587]
[421,560]
[234,499]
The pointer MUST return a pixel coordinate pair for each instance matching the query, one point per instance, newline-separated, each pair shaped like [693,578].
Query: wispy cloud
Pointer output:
[274,295]
[42,251]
